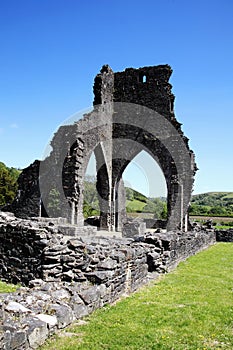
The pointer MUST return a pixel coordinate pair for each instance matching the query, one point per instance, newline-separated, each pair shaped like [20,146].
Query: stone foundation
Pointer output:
[68,277]
[224,235]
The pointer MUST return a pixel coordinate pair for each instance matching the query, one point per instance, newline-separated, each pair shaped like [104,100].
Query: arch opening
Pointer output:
[97,190]
[90,194]
[146,191]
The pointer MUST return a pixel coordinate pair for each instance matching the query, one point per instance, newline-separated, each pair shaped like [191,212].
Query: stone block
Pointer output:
[37,332]
[63,313]
[134,229]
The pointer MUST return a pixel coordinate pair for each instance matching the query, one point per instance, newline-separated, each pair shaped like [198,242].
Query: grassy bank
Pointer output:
[7,288]
[190,308]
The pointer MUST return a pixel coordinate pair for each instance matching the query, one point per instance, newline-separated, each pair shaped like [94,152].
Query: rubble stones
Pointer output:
[224,235]
[67,278]
[133,228]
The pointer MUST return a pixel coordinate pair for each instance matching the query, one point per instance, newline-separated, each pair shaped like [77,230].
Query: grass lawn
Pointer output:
[7,288]
[135,205]
[190,308]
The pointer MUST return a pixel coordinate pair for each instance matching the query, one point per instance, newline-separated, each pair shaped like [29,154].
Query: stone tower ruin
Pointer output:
[133,111]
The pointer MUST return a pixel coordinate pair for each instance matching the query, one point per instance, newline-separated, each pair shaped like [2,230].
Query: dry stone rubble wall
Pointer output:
[224,235]
[67,277]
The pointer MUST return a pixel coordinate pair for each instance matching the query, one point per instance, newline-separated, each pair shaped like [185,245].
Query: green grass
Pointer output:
[223,227]
[190,308]
[7,288]
[135,205]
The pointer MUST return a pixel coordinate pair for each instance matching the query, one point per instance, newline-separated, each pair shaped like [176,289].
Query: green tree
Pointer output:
[90,195]
[88,210]
[157,206]
[163,214]
[8,184]
[218,211]
[129,193]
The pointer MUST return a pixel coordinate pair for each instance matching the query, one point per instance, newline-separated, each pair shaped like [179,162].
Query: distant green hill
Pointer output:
[212,204]
[136,202]
[205,204]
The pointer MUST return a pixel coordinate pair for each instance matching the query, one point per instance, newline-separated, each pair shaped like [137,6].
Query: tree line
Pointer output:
[8,184]
[212,204]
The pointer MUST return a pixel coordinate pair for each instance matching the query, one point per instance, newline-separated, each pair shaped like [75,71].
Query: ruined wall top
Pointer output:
[109,132]
[146,86]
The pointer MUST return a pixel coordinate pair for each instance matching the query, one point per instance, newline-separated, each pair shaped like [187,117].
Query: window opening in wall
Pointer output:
[142,78]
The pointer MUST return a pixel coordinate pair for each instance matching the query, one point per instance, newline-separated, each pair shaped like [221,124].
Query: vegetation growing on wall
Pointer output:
[7,288]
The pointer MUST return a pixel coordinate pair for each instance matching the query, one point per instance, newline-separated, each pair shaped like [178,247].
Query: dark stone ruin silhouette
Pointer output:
[68,270]
[133,111]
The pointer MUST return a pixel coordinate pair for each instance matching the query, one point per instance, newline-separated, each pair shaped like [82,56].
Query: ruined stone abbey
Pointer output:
[133,111]
[69,269]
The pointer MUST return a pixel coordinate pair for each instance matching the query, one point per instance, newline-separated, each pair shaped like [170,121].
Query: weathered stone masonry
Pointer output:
[69,277]
[124,122]
[67,269]
[224,235]
[46,251]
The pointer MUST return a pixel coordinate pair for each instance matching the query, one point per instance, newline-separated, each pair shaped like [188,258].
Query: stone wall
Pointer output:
[27,201]
[147,86]
[133,111]
[224,235]
[51,251]
[68,277]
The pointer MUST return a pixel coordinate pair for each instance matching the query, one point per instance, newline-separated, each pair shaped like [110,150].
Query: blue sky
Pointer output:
[52,50]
